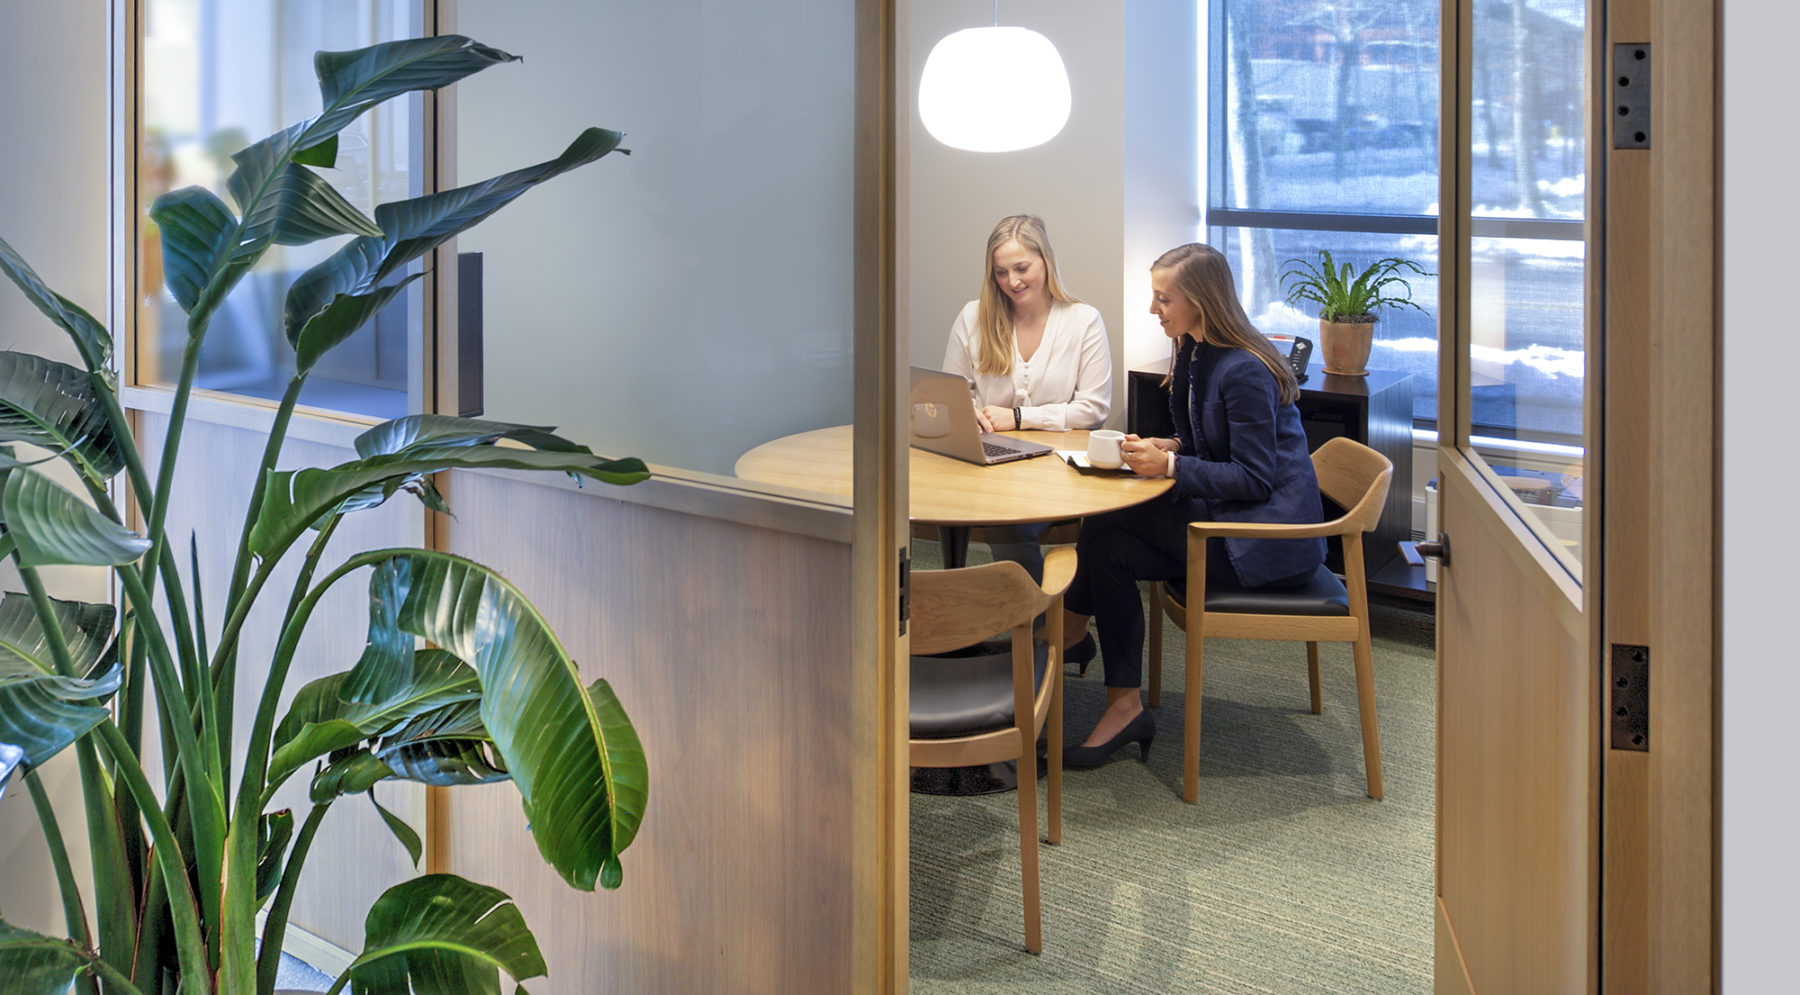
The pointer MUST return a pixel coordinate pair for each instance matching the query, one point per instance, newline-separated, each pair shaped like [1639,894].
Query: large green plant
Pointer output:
[182,868]
[1346,293]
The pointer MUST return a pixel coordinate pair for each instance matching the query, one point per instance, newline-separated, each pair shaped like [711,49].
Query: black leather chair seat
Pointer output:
[969,692]
[1322,594]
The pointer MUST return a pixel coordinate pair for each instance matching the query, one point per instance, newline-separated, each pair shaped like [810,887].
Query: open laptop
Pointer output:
[943,421]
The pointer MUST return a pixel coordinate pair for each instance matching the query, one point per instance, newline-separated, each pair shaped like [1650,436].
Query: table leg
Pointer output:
[954,541]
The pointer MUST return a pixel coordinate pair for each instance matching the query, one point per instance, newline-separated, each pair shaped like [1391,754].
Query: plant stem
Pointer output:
[74,916]
[205,797]
[113,883]
[275,924]
[239,596]
[165,474]
[190,942]
[47,621]
[121,426]
[237,958]
[115,892]
[116,980]
[140,488]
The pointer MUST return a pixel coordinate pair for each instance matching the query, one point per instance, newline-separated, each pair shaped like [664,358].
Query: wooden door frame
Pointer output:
[1652,427]
[1660,522]
[881,533]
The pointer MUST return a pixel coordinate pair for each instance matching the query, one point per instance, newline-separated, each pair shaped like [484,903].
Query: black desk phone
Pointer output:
[1299,356]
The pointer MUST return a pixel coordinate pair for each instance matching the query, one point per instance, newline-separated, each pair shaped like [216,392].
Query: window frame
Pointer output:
[1215,219]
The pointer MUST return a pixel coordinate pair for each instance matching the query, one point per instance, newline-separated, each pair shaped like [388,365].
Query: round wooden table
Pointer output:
[947,491]
[955,495]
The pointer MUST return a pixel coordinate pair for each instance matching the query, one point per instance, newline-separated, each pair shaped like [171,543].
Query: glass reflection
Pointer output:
[693,300]
[1329,107]
[1527,360]
[216,76]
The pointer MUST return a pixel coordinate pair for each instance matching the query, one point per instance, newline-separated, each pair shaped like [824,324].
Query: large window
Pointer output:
[1323,134]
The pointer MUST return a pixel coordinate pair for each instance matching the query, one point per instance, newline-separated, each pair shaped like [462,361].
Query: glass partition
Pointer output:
[218,75]
[1526,357]
[692,300]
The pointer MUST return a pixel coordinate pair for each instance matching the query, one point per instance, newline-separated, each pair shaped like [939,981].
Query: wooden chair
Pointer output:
[967,712]
[1324,610]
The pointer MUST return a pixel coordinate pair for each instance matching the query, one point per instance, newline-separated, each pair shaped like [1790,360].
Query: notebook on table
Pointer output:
[943,421]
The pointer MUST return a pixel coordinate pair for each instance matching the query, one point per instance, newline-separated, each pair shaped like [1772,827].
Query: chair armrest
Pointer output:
[1271,530]
[1059,570]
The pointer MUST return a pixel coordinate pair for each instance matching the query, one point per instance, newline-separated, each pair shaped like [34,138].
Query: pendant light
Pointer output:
[994,89]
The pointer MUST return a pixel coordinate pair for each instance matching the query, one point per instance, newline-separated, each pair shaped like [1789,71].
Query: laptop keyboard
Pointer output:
[994,449]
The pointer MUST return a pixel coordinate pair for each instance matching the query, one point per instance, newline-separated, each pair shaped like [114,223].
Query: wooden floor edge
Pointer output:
[1450,973]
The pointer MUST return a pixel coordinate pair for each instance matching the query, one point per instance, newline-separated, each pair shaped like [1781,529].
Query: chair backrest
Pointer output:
[1356,477]
[952,609]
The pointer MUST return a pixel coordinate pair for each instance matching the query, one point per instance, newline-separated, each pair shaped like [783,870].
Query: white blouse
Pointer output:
[1066,384]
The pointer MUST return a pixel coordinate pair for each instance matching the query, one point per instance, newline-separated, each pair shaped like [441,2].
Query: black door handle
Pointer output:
[1415,552]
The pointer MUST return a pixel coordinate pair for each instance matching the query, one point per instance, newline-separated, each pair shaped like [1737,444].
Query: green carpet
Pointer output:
[1285,878]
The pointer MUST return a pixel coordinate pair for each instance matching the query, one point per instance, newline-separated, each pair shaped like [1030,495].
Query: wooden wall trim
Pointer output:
[878,933]
[251,414]
[1659,923]
[692,492]
[1450,975]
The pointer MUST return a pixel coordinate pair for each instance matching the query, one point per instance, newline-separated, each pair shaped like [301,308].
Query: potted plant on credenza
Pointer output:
[1349,300]
[194,863]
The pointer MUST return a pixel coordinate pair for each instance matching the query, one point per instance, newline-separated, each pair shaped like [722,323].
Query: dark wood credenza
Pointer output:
[1375,410]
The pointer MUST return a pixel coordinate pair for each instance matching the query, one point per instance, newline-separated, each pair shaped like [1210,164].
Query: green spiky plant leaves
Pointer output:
[461,681]
[1342,292]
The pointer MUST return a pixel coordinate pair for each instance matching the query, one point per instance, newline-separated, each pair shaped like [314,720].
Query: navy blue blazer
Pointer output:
[1243,458]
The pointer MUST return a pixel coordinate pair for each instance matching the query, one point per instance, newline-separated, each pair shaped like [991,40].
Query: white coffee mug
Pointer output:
[1103,448]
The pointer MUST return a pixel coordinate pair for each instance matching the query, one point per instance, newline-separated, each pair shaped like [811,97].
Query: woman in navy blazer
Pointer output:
[1238,454]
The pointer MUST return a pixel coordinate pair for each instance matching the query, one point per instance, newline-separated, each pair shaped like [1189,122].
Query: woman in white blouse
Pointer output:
[1038,357]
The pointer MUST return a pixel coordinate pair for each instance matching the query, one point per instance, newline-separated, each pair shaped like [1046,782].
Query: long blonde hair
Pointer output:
[993,313]
[1204,278]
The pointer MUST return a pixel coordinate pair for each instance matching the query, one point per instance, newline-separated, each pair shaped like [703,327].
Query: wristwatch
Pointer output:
[1018,417]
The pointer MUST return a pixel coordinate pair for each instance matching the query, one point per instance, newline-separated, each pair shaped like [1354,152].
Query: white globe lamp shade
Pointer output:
[995,89]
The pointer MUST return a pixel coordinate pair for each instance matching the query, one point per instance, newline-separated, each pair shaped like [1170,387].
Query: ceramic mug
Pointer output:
[1103,448]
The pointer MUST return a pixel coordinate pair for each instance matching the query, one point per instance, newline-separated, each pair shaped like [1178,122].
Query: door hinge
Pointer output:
[1630,697]
[1631,96]
[905,588]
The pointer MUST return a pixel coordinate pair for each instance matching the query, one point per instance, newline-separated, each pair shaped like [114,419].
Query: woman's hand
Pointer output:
[994,418]
[1149,457]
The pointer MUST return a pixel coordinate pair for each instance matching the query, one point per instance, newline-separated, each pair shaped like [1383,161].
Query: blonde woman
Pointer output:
[1037,357]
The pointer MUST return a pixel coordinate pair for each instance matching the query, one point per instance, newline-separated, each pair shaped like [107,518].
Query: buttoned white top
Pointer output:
[1066,384]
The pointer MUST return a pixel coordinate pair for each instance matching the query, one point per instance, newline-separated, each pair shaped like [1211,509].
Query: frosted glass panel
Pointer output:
[218,75]
[693,299]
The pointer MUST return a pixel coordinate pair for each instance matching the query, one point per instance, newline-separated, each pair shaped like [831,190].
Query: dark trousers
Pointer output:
[1019,543]
[1116,551]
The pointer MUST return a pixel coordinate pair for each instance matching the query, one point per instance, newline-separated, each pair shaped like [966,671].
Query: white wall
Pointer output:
[693,299]
[1761,665]
[1116,188]
[53,212]
[1164,172]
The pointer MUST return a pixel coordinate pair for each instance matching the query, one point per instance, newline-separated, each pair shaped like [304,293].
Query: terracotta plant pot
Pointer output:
[1344,346]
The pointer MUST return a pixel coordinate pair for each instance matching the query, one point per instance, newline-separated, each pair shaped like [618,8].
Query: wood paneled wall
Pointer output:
[354,858]
[730,647]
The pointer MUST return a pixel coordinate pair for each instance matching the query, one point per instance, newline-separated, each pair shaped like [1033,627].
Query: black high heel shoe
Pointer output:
[1082,653]
[1140,730]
